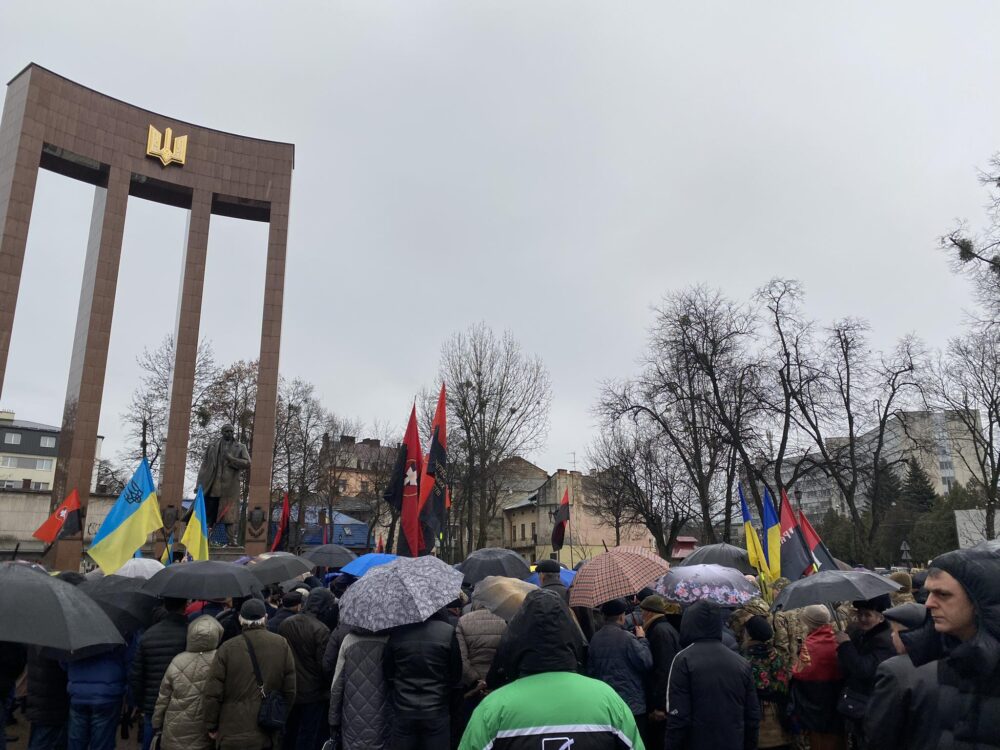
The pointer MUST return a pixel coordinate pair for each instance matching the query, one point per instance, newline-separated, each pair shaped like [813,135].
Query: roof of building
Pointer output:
[528,502]
[20,424]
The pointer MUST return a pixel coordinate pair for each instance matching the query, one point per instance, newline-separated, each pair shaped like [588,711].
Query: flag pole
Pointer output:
[569,522]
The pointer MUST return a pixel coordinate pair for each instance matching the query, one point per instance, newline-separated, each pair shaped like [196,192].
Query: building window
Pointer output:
[513,532]
[533,531]
[12,438]
[8,484]
[39,485]
[22,462]
[48,441]
[365,485]
[522,532]
[342,486]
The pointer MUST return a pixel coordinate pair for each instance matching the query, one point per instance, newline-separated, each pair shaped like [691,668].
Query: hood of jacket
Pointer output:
[204,634]
[701,621]
[544,628]
[319,601]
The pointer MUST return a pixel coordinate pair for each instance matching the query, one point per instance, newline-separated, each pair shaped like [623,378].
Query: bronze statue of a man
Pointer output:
[219,478]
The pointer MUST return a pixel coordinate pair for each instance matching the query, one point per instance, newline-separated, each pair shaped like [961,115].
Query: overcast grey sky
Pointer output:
[549,167]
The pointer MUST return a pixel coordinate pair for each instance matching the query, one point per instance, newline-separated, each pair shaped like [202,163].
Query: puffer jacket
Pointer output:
[308,636]
[360,708]
[232,700]
[968,672]
[179,711]
[47,702]
[157,648]
[711,699]
[622,661]
[422,664]
[478,634]
[97,680]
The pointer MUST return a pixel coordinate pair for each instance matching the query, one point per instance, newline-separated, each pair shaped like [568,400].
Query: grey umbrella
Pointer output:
[493,561]
[41,610]
[329,555]
[406,591]
[205,579]
[829,586]
[722,554]
[123,599]
[273,567]
[691,583]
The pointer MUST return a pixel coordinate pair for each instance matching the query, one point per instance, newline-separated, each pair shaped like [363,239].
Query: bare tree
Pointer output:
[967,387]
[498,407]
[640,480]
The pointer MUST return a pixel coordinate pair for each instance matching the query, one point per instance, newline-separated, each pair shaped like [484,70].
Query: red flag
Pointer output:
[281,535]
[380,547]
[403,492]
[63,523]
[819,551]
[560,518]
[796,558]
[434,478]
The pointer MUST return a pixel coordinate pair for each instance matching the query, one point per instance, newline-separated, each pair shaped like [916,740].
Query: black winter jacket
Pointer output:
[711,699]
[902,711]
[664,642]
[968,672]
[622,661]
[13,657]
[422,663]
[273,623]
[332,652]
[308,637]
[47,700]
[859,657]
[157,648]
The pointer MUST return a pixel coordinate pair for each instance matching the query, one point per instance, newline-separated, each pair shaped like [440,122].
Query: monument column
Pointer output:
[185,359]
[20,153]
[267,380]
[85,389]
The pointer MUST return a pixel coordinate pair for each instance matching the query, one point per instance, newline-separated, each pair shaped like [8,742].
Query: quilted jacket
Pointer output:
[478,634]
[179,712]
[359,696]
[157,647]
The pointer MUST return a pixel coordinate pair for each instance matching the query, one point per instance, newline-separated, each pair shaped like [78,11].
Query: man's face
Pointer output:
[867,618]
[950,607]
[647,617]
[896,642]
[227,434]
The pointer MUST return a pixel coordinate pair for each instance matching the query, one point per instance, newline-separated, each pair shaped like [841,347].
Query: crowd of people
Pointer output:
[917,669]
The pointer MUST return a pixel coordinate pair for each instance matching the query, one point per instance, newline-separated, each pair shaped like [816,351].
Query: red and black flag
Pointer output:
[796,559]
[65,522]
[281,535]
[560,518]
[434,498]
[819,551]
[403,490]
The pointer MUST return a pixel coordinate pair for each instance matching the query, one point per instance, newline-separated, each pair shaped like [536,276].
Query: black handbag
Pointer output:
[273,713]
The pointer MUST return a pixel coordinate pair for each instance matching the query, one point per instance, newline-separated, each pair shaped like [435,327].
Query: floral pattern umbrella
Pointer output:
[619,572]
[715,583]
[406,591]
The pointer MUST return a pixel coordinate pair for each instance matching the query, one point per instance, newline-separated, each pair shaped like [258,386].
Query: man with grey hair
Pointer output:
[219,478]
[232,694]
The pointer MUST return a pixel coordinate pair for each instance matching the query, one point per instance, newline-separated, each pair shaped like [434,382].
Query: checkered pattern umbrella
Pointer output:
[619,572]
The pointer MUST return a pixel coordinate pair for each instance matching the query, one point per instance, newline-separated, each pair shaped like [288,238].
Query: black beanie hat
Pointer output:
[614,608]
[252,609]
[759,629]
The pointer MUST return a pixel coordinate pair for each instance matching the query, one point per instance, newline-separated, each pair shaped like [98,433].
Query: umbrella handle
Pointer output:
[836,616]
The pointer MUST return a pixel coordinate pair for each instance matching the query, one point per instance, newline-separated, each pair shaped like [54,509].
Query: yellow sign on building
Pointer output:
[165,147]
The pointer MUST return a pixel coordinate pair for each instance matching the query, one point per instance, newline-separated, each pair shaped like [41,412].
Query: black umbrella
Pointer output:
[41,610]
[274,567]
[123,600]
[329,556]
[205,579]
[723,554]
[493,561]
[829,586]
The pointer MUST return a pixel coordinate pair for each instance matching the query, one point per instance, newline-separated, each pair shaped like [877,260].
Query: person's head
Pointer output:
[814,617]
[203,634]
[948,602]
[71,577]
[758,630]
[227,432]
[868,612]
[548,572]
[702,621]
[651,607]
[778,585]
[904,580]
[252,614]
[614,611]
[292,600]
[320,603]
[904,617]
[919,592]
[174,606]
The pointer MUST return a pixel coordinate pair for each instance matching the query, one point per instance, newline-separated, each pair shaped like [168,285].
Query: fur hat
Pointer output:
[547,566]
[904,580]
[877,604]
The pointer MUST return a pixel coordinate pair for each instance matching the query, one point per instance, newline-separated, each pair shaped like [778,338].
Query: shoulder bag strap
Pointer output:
[256,665]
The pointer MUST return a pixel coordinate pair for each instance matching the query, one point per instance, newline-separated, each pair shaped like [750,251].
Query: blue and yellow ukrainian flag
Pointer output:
[772,537]
[756,553]
[195,537]
[134,516]
[168,552]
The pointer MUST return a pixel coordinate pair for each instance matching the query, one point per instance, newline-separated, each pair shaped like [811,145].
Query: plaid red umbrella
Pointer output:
[619,572]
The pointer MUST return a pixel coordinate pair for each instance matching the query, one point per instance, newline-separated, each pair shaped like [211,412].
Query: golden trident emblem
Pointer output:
[165,147]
